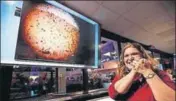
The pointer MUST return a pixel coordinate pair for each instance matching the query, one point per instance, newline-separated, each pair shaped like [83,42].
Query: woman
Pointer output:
[138,78]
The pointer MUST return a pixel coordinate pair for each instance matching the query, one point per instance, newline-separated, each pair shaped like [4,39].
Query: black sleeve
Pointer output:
[124,97]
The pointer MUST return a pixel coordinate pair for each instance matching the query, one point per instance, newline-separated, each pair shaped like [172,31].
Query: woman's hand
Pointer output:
[141,66]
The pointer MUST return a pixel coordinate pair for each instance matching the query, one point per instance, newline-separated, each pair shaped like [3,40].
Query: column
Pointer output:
[5,82]
[61,81]
[85,81]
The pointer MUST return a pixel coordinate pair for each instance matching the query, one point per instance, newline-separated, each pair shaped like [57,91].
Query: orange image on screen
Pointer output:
[51,32]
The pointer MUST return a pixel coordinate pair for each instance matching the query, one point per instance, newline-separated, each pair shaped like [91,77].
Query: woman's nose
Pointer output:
[131,58]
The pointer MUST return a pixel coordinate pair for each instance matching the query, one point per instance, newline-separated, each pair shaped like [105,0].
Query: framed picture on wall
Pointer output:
[109,51]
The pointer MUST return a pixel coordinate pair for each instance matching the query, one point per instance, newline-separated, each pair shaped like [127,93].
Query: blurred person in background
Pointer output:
[43,83]
[96,81]
[138,78]
[169,72]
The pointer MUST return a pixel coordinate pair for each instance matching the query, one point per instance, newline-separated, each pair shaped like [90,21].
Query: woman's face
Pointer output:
[131,54]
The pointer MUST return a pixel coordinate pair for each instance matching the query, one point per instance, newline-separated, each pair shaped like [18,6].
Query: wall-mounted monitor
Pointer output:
[47,33]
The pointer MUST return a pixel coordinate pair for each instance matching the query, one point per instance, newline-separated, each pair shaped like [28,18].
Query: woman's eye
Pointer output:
[126,56]
[135,54]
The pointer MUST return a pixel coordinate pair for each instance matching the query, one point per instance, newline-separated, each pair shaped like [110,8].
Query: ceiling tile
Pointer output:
[121,25]
[171,42]
[170,32]
[151,16]
[156,21]
[140,35]
[167,36]
[159,21]
[142,12]
[159,27]
[83,6]
[120,6]
[169,39]
[132,31]
[170,8]
[105,17]
[99,2]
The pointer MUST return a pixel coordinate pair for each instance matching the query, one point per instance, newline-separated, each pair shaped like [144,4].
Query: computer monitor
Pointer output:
[47,33]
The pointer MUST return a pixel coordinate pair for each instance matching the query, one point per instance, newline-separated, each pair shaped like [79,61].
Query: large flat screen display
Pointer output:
[47,33]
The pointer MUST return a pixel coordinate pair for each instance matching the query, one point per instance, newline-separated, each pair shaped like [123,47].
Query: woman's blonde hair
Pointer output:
[121,71]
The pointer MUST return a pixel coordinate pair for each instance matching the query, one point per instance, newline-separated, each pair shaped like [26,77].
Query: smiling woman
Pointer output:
[138,74]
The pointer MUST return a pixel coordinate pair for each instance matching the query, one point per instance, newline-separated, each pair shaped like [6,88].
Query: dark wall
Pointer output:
[119,39]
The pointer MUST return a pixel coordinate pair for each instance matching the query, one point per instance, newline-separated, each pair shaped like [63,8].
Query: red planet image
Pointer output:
[51,32]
